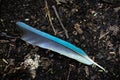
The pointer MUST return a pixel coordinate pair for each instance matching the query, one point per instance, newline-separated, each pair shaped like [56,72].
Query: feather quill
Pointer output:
[47,41]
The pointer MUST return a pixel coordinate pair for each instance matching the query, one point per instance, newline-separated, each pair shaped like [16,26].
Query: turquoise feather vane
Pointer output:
[47,41]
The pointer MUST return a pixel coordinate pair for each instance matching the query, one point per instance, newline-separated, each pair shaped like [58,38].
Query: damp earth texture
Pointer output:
[93,25]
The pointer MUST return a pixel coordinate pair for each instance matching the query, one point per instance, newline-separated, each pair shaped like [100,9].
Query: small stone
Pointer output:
[27,19]
[78,28]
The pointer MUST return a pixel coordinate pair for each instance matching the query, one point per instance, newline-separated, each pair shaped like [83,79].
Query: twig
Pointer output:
[119,50]
[49,17]
[5,61]
[87,71]
[56,13]
[103,35]
[70,69]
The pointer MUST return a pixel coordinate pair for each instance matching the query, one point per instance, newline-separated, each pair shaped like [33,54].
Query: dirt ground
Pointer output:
[93,25]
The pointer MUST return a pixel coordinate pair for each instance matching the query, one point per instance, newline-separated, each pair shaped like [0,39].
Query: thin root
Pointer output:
[49,16]
[56,13]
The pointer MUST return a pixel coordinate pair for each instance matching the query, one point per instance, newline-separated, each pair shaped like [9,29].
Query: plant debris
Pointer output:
[91,25]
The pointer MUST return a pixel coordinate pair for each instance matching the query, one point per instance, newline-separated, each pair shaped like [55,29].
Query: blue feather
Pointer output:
[47,41]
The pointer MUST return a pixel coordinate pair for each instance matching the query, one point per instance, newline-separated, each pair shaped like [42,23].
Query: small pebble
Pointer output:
[27,19]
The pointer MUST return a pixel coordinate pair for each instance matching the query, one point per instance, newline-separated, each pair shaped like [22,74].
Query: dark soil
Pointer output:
[93,25]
